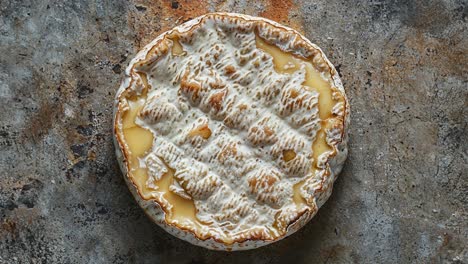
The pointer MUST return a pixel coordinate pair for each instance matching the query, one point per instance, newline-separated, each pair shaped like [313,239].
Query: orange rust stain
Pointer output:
[185,10]
[443,54]
[39,125]
[283,11]
[92,155]
[419,50]
[9,226]
[150,18]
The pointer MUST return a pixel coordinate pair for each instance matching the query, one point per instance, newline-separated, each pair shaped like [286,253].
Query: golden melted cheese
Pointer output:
[177,49]
[288,63]
[229,166]
[139,141]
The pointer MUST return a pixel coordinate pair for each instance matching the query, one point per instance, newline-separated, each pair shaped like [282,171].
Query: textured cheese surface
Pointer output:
[228,127]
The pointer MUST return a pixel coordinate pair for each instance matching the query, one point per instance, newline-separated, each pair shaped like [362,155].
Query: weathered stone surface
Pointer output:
[402,196]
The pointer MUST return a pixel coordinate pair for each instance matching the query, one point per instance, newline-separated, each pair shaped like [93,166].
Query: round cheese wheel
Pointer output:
[230,130]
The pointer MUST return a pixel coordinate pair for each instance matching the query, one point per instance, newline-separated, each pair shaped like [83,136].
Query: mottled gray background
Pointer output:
[402,196]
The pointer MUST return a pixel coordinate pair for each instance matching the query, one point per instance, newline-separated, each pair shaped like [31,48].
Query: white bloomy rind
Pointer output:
[200,158]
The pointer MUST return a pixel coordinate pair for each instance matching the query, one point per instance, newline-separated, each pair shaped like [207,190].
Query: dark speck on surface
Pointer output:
[85,130]
[338,69]
[84,90]
[79,150]
[10,205]
[117,69]
[140,8]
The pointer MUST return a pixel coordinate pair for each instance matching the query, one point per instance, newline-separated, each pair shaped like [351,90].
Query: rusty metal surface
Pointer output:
[402,197]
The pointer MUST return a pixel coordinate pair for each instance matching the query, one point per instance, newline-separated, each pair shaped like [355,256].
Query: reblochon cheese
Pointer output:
[231,130]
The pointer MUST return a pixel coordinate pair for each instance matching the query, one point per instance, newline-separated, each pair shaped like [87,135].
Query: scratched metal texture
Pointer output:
[401,198]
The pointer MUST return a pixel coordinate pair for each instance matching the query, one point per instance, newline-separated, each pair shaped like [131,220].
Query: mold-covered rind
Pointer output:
[274,33]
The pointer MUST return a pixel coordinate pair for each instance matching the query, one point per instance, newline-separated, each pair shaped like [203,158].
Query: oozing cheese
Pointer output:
[226,131]
[139,141]
[288,63]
